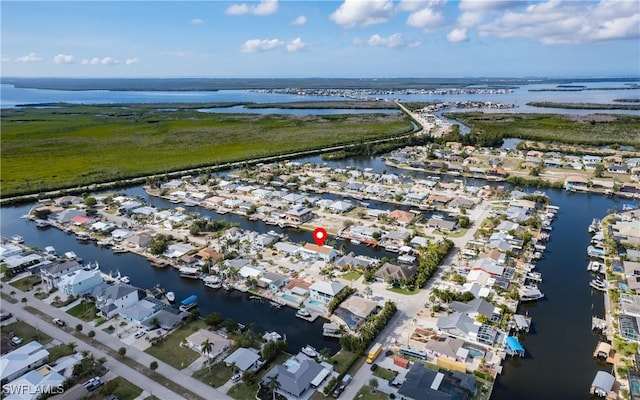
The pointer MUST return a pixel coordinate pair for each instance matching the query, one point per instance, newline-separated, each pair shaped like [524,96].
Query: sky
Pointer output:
[349,38]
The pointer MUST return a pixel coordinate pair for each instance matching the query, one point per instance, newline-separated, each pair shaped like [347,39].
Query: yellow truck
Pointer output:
[374,352]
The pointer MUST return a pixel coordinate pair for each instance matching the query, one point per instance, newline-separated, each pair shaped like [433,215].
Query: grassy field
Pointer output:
[86,311]
[59,351]
[215,377]
[589,129]
[51,148]
[26,284]
[120,387]
[27,332]
[385,373]
[367,393]
[170,351]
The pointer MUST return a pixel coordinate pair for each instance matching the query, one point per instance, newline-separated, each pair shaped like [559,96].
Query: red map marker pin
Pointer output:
[319,236]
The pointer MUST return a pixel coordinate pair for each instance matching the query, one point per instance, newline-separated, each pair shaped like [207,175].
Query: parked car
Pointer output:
[5,316]
[374,367]
[388,353]
[91,381]
[139,334]
[58,321]
[16,340]
[394,383]
[236,378]
[337,392]
[94,385]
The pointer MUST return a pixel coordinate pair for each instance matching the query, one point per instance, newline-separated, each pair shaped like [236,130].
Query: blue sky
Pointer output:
[349,38]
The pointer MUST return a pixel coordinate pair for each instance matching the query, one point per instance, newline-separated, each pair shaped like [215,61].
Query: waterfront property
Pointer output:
[422,383]
[299,376]
[323,291]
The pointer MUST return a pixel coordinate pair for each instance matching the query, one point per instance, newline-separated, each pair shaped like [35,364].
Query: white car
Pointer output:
[16,340]
[236,378]
[139,334]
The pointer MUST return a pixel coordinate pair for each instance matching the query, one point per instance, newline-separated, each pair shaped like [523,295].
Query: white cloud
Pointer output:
[173,53]
[253,45]
[300,20]
[196,21]
[63,59]
[457,35]
[131,61]
[555,22]
[424,14]
[353,13]
[296,45]
[264,7]
[5,59]
[31,57]
[395,40]
[99,61]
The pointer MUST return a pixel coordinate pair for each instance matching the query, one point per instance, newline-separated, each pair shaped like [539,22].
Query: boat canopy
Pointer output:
[191,299]
[514,344]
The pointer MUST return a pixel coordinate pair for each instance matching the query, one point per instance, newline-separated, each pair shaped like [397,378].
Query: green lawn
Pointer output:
[59,351]
[26,284]
[458,233]
[404,291]
[365,394]
[27,332]
[86,311]
[45,149]
[351,276]
[242,391]
[218,375]
[170,351]
[385,373]
[120,387]
[343,358]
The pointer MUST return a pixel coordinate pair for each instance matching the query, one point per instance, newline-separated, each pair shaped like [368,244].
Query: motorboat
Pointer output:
[534,276]
[594,266]
[171,296]
[303,313]
[17,239]
[213,282]
[83,236]
[118,249]
[595,226]
[310,351]
[41,223]
[530,293]
[599,284]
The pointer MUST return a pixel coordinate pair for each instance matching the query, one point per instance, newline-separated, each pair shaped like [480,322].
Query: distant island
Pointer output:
[584,106]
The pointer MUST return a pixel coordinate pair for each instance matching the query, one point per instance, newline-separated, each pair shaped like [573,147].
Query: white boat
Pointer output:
[171,296]
[41,223]
[71,255]
[594,266]
[355,241]
[534,276]
[50,250]
[530,293]
[213,282]
[599,284]
[118,249]
[303,313]
[83,236]
[17,239]
[310,351]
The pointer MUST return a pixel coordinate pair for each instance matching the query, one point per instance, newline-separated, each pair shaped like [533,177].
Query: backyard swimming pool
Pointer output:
[291,298]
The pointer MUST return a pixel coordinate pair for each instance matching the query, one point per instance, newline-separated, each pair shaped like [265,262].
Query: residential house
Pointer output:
[8,250]
[395,272]
[401,217]
[355,310]
[273,281]
[618,169]
[324,292]
[422,383]
[299,215]
[245,359]
[79,281]
[462,326]
[51,273]
[438,199]
[442,224]
[140,311]
[34,383]
[341,206]
[21,360]
[286,248]
[476,307]
[448,348]
[349,261]
[315,252]
[65,201]
[298,378]
[110,300]
[489,266]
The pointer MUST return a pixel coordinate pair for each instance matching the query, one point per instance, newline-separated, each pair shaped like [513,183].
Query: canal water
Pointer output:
[558,362]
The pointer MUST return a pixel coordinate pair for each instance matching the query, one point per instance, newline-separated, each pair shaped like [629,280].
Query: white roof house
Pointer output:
[244,359]
[324,291]
[21,360]
[35,383]
[79,281]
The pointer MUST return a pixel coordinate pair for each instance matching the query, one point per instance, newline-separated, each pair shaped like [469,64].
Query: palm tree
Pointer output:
[72,346]
[207,347]
[368,291]
[373,382]
[273,385]
[184,343]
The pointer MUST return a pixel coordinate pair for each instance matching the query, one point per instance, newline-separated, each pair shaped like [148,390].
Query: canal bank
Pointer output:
[559,346]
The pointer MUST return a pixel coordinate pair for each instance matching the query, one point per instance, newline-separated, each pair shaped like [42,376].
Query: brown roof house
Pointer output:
[401,217]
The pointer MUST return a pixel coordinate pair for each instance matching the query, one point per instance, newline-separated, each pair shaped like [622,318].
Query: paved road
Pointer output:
[408,306]
[179,377]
